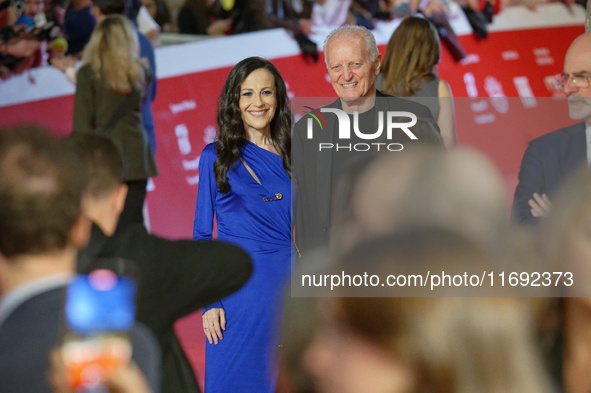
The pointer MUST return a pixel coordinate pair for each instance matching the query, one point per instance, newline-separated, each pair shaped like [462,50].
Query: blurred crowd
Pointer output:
[39,32]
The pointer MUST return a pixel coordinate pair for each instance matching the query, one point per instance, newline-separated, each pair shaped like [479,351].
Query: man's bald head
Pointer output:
[582,42]
[577,82]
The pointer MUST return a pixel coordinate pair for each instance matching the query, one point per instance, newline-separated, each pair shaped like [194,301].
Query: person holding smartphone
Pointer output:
[176,277]
[41,230]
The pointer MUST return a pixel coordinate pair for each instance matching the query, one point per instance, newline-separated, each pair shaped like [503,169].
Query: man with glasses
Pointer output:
[552,157]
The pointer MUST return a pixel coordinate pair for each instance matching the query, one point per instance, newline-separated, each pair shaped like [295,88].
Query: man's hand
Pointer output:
[19,47]
[128,379]
[62,63]
[219,27]
[306,26]
[540,205]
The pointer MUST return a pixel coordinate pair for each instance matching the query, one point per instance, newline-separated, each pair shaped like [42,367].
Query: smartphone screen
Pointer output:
[100,302]
[99,311]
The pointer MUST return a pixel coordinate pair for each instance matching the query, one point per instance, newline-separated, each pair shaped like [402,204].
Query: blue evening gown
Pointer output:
[252,217]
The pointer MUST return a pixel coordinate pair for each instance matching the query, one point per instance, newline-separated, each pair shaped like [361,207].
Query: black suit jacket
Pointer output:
[547,161]
[313,170]
[33,329]
[176,279]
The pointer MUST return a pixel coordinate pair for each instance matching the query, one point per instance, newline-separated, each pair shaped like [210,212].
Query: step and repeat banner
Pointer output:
[506,96]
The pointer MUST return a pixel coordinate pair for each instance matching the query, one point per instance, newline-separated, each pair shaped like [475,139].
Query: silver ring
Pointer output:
[205,328]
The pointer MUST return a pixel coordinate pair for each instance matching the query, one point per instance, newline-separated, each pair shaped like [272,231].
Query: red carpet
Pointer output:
[190,332]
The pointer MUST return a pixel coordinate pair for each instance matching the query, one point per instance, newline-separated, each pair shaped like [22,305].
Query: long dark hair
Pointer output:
[231,128]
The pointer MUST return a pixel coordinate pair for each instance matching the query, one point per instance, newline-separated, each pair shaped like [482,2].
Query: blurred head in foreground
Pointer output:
[563,237]
[424,185]
[40,195]
[564,250]
[104,194]
[423,344]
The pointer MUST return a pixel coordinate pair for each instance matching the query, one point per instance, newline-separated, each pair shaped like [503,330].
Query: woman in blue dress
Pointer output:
[245,184]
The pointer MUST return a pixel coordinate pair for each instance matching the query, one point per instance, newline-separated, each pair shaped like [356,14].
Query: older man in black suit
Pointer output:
[353,62]
[552,157]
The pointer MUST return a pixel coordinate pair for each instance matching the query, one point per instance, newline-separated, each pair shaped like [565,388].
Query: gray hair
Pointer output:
[351,31]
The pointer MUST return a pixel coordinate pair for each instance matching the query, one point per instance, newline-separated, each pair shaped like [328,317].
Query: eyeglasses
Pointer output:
[580,79]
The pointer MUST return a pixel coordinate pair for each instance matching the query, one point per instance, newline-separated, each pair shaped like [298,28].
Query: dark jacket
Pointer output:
[312,170]
[176,279]
[547,161]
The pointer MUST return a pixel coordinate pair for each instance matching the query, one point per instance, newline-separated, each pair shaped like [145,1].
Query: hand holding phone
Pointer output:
[99,311]
[128,379]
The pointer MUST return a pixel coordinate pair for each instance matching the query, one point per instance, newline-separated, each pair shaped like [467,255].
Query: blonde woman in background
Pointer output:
[110,90]
[409,69]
